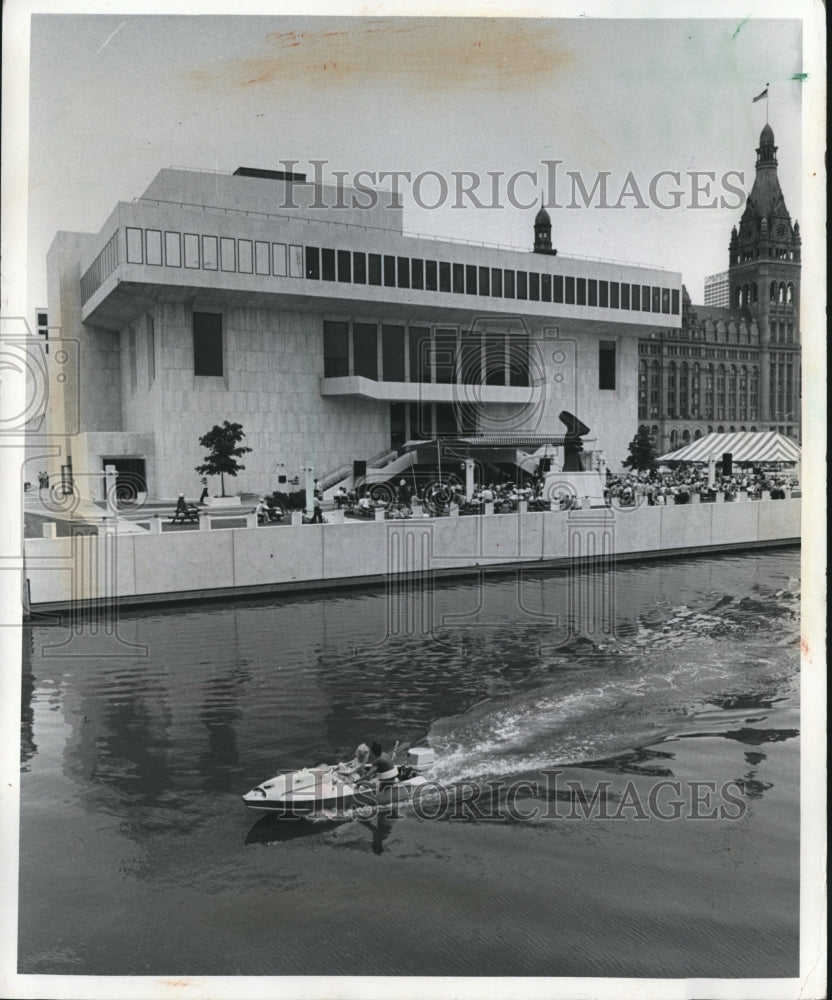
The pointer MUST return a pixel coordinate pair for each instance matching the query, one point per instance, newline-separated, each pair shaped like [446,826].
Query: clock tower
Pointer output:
[764,283]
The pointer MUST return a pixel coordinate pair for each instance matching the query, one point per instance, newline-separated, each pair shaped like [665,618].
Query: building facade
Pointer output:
[306,314]
[717,289]
[734,367]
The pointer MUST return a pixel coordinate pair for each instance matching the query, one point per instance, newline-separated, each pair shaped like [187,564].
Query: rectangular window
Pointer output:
[665,300]
[375,268]
[227,255]
[546,287]
[403,272]
[134,246]
[459,279]
[625,295]
[153,246]
[207,330]
[614,301]
[470,365]
[173,250]
[417,276]
[557,288]
[191,250]
[635,296]
[392,353]
[336,349]
[606,364]
[471,279]
[444,356]
[295,261]
[389,271]
[495,358]
[592,292]
[508,285]
[655,299]
[359,268]
[261,258]
[431,277]
[603,294]
[244,256]
[328,264]
[279,260]
[518,360]
[674,301]
[365,350]
[313,263]
[570,290]
[444,276]
[344,265]
[209,253]
[497,282]
[522,285]
[484,283]
[581,291]
[420,350]
[534,287]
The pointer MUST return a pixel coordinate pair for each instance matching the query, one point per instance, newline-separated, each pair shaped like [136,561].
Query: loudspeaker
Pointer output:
[544,466]
[359,468]
[727,464]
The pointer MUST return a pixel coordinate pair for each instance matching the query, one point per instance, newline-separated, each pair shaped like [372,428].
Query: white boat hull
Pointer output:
[318,790]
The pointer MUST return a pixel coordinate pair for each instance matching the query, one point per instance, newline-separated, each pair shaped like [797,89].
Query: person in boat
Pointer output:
[356,767]
[382,768]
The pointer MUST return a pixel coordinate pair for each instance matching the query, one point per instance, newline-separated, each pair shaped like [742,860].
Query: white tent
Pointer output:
[745,447]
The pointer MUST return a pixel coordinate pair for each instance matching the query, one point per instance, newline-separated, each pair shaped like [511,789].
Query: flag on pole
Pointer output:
[759,97]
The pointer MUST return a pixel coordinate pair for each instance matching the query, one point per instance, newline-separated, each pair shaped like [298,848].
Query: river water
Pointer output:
[564,743]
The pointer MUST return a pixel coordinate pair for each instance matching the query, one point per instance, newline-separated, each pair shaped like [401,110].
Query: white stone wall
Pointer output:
[273,364]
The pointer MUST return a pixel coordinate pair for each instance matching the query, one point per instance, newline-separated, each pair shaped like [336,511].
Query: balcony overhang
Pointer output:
[430,392]
[131,290]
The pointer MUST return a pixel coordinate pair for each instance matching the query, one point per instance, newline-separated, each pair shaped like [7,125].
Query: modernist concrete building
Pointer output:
[329,334]
[735,367]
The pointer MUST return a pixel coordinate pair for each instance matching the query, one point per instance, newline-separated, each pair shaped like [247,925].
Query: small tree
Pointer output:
[223,444]
[642,451]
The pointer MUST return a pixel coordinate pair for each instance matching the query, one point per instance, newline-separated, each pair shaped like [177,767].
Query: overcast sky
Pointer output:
[114,99]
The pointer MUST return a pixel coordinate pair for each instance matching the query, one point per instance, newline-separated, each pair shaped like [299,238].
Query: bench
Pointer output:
[191,515]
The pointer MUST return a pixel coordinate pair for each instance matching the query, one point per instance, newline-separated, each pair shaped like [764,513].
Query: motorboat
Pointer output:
[330,790]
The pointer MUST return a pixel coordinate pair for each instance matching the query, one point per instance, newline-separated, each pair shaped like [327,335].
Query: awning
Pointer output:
[753,447]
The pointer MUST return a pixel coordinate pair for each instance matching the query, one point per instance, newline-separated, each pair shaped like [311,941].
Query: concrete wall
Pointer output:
[174,565]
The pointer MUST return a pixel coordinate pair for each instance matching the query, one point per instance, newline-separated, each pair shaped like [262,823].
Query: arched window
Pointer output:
[685,435]
[753,430]
[720,429]
[772,292]
[790,292]
[710,429]
[732,429]
[742,428]
[654,430]
[674,437]
[697,435]
[781,293]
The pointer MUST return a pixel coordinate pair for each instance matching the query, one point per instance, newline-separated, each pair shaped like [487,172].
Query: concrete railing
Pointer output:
[175,565]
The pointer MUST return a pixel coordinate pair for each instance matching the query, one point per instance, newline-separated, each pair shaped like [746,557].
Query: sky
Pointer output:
[114,99]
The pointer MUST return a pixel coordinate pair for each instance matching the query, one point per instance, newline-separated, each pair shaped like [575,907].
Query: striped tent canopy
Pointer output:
[757,447]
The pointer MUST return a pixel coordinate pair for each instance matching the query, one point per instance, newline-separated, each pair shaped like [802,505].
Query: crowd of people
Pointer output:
[677,487]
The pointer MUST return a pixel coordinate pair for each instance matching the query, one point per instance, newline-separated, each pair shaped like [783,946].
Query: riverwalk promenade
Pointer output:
[153,561]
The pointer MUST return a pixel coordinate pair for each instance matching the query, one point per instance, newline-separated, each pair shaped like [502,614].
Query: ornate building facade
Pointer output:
[737,367]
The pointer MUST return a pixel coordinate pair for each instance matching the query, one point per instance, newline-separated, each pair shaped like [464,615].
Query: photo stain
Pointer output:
[412,53]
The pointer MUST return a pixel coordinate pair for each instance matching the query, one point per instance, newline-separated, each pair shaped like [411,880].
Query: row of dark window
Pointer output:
[408,354]
[391,271]
[395,353]
[225,253]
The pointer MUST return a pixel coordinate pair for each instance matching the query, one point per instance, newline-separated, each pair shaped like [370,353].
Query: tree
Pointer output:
[642,451]
[223,444]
